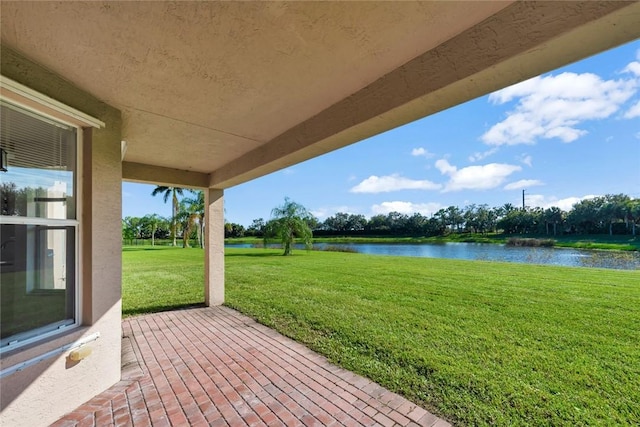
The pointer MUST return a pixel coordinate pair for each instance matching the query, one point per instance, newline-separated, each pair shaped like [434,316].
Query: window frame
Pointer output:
[41,105]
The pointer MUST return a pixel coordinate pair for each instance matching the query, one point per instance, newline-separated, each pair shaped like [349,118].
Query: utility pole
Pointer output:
[523,207]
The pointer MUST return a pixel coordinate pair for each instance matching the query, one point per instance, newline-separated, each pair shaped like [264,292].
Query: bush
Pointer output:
[518,241]
[336,248]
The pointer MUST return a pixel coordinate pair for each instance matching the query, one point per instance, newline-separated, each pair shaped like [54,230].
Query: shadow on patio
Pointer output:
[215,366]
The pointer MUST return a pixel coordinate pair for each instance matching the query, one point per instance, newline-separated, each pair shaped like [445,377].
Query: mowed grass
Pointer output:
[161,278]
[477,343]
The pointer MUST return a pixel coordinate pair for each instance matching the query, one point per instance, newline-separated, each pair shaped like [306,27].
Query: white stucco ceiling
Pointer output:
[239,89]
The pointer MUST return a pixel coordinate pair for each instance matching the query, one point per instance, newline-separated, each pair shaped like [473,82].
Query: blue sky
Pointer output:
[566,135]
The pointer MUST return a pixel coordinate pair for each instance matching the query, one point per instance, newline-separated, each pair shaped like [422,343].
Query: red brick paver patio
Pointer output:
[216,367]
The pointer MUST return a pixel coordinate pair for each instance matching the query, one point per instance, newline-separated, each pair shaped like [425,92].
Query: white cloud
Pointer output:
[288,171]
[422,152]
[407,208]
[523,183]
[325,212]
[395,182]
[526,159]
[538,200]
[445,167]
[633,68]
[477,156]
[475,177]
[554,106]
[633,112]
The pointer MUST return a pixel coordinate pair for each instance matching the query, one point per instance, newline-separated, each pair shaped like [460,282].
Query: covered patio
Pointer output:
[215,366]
[210,95]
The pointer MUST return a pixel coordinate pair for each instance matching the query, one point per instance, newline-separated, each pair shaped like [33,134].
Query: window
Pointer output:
[39,226]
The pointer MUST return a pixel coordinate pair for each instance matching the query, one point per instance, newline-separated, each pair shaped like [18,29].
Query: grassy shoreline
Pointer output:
[478,343]
[591,242]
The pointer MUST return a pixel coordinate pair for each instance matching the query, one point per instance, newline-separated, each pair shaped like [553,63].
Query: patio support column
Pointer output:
[214,247]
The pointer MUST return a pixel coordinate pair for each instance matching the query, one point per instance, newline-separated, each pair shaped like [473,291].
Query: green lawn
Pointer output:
[478,343]
[161,278]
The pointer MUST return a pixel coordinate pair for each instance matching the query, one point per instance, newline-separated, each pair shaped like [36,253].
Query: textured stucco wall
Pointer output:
[148,174]
[42,393]
[214,247]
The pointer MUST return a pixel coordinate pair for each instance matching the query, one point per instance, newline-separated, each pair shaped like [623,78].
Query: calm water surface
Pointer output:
[492,252]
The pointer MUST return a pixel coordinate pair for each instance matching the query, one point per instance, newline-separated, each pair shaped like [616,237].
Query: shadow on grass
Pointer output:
[160,308]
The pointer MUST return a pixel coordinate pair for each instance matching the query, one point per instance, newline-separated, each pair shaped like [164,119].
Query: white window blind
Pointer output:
[35,142]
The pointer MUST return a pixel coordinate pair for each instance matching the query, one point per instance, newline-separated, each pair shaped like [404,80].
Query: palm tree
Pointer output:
[288,222]
[506,208]
[151,221]
[186,219]
[131,229]
[553,215]
[613,209]
[195,208]
[166,193]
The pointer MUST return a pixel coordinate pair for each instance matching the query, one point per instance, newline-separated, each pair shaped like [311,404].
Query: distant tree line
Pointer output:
[610,214]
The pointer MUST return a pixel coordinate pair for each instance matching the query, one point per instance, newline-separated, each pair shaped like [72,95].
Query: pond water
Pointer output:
[492,252]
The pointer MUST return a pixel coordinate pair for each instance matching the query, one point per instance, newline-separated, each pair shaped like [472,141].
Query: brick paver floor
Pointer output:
[216,367]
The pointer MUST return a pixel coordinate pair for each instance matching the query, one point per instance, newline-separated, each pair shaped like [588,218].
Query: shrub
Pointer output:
[518,241]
